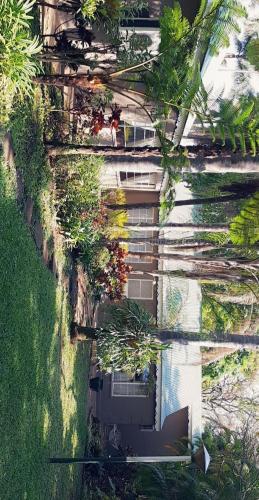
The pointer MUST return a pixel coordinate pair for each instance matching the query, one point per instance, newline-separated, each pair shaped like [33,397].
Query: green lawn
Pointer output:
[43,378]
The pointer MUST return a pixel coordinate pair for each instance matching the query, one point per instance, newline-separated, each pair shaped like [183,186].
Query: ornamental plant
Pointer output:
[114,276]
[18,64]
[127,342]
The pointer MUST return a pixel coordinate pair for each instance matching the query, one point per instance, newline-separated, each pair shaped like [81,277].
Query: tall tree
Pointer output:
[209,274]
[210,262]
[122,341]
[198,228]
[203,158]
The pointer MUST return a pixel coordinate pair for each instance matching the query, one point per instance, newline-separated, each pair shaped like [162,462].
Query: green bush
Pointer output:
[89,7]
[78,193]
[18,48]
[242,362]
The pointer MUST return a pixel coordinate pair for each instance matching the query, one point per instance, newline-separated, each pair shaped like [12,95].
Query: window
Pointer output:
[148,428]
[138,180]
[139,246]
[140,289]
[137,135]
[137,215]
[124,385]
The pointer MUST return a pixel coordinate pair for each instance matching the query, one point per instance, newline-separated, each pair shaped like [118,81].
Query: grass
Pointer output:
[43,378]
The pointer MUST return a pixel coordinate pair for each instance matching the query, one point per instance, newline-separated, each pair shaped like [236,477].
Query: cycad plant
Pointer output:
[244,229]
[223,22]
[234,122]
[18,64]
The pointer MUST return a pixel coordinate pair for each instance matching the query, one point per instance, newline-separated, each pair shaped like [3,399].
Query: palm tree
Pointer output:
[203,158]
[216,274]
[130,341]
[195,228]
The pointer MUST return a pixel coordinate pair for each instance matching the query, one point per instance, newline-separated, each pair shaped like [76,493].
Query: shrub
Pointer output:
[17,53]
[113,277]
[116,218]
[241,362]
[244,229]
[89,7]
[87,223]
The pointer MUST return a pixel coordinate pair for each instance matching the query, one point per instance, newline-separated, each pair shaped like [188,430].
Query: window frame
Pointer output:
[141,280]
[128,382]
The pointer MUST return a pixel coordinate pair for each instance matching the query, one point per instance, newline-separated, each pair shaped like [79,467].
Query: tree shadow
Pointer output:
[32,414]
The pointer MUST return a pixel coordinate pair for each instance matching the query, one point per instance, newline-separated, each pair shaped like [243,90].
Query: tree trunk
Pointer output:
[179,249]
[216,339]
[88,81]
[186,243]
[62,8]
[215,228]
[180,203]
[201,274]
[213,263]
[246,299]
[202,158]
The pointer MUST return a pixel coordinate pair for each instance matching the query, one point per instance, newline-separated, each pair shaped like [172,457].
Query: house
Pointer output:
[150,414]
[140,183]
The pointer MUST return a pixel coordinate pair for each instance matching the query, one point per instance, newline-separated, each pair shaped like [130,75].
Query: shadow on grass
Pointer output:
[32,413]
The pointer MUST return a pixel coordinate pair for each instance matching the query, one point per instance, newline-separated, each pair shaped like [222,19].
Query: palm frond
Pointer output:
[223,22]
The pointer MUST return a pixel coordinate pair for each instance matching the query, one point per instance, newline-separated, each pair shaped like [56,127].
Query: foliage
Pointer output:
[89,225]
[168,79]
[116,10]
[98,121]
[18,64]
[222,22]
[222,318]
[78,193]
[174,304]
[113,274]
[237,363]
[89,7]
[47,403]
[212,185]
[252,52]
[234,122]
[232,473]
[244,228]
[116,219]
[126,342]
[174,80]
[27,127]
